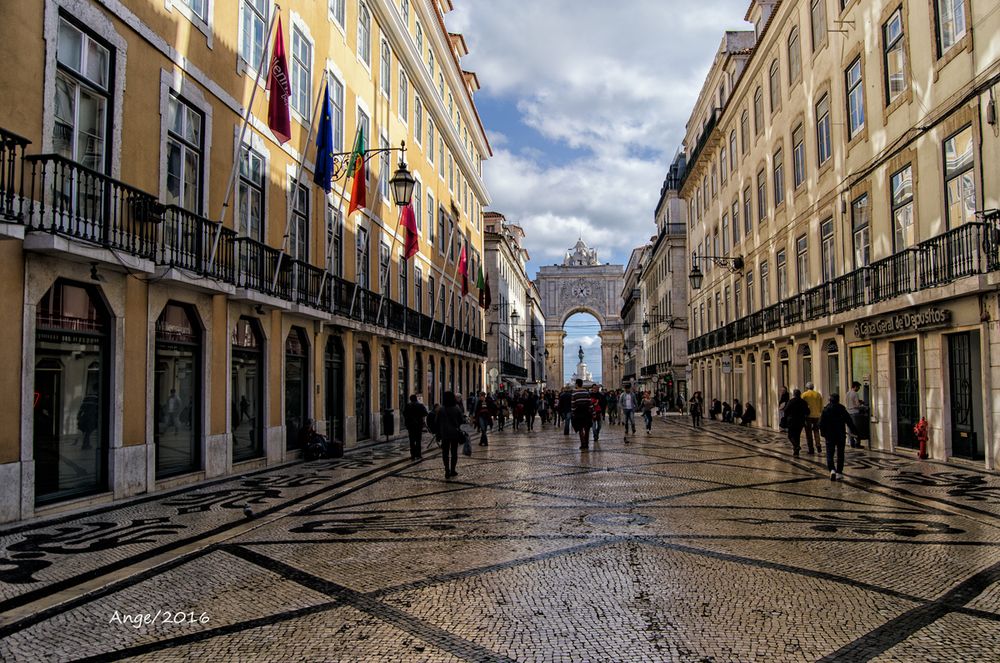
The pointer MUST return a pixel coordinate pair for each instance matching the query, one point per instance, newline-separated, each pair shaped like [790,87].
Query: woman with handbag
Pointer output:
[449,424]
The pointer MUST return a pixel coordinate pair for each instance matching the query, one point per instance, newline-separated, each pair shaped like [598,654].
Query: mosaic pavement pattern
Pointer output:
[682,545]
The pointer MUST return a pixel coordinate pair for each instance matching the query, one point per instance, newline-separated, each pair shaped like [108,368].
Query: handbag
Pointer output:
[466,445]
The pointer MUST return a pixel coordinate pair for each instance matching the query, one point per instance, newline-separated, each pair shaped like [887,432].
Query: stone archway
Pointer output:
[582,285]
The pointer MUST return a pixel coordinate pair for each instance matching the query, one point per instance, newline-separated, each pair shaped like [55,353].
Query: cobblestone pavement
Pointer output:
[709,545]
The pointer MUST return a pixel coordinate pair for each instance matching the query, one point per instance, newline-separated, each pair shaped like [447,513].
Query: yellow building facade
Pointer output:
[841,163]
[150,345]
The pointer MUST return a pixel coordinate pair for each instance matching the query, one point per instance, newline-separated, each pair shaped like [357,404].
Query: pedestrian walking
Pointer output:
[530,409]
[565,408]
[597,408]
[414,415]
[583,414]
[815,401]
[832,423]
[628,403]
[782,402]
[449,424]
[695,409]
[855,408]
[796,412]
[482,412]
[647,412]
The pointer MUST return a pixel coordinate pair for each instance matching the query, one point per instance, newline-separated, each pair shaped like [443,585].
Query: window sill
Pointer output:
[962,45]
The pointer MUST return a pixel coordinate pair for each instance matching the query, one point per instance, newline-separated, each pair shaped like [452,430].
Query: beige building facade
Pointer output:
[840,162]
[150,345]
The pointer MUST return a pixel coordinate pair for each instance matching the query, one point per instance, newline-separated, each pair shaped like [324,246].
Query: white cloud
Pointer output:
[615,81]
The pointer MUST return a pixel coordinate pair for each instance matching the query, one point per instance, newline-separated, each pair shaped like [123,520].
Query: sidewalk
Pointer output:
[56,555]
[956,486]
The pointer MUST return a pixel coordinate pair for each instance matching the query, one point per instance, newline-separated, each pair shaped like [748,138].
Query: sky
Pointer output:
[585,103]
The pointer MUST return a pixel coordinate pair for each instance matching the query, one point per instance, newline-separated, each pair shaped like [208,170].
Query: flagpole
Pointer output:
[322,283]
[451,234]
[392,247]
[454,284]
[239,144]
[297,183]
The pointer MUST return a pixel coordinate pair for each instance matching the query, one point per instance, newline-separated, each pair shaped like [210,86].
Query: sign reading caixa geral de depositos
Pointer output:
[902,323]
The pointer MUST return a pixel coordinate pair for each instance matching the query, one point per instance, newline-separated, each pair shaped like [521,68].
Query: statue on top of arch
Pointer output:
[581,256]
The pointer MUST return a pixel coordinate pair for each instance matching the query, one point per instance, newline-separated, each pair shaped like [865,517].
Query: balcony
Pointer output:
[513,370]
[84,214]
[969,250]
[185,255]
[12,149]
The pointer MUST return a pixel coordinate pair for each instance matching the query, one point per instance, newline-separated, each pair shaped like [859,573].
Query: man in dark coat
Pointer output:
[796,412]
[414,415]
[831,424]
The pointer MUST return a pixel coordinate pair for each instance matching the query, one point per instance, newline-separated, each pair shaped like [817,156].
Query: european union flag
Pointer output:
[324,145]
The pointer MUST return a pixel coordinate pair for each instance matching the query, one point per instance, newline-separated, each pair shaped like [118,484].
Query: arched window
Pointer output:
[364,34]
[177,390]
[794,56]
[72,393]
[296,385]
[774,83]
[247,375]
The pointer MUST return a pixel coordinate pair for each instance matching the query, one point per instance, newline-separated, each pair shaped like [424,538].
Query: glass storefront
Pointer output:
[70,426]
[403,379]
[335,388]
[176,392]
[907,392]
[362,399]
[296,386]
[247,390]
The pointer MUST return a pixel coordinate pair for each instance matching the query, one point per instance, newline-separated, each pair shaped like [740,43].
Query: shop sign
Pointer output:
[902,323]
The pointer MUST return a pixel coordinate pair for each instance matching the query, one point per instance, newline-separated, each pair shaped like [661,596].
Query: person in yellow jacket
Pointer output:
[815,402]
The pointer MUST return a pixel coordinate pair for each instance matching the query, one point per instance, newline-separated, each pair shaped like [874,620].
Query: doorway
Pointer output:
[907,392]
[966,401]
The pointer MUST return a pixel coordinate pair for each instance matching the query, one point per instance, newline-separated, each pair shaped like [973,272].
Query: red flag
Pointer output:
[411,244]
[463,271]
[359,192]
[279,84]
[485,296]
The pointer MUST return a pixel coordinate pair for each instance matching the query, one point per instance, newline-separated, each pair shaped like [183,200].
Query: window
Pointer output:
[337,101]
[442,240]
[779,177]
[441,85]
[774,82]
[823,147]
[895,57]
[184,155]
[430,60]
[362,264]
[827,250]
[430,218]
[418,292]
[758,112]
[418,119]
[301,74]
[404,290]
[451,172]
[83,84]
[430,140]
[385,69]
[431,295]
[818,20]
[761,196]
[765,295]
[860,230]
[198,7]
[855,99]
[364,34]
[747,212]
[385,165]
[418,209]
[736,222]
[383,268]
[253,24]
[335,240]
[950,16]
[404,10]
[420,38]
[364,125]
[454,240]
[725,234]
[732,149]
[441,155]
[250,197]
[404,96]
[802,263]
[794,56]
[744,132]
[959,180]
[798,155]
[749,280]
[782,265]
[901,186]
[337,12]
[298,231]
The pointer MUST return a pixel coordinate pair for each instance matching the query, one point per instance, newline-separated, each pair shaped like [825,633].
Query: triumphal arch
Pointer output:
[581,284]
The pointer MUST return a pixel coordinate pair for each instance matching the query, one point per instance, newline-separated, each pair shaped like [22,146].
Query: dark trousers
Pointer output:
[449,453]
[629,419]
[565,416]
[812,433]
[840,443]
[795,434]
[648,416]
[416,438]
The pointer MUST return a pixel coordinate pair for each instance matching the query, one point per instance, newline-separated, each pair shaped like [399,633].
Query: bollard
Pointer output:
[920,430]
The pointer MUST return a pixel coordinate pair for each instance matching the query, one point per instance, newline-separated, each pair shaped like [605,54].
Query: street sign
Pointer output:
[727,364]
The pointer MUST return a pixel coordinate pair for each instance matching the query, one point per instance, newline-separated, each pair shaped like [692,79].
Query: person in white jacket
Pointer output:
[629,402]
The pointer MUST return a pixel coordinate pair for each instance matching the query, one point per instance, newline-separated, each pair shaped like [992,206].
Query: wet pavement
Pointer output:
[708,545]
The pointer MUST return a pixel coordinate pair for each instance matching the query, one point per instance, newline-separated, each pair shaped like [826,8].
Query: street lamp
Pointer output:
[734,265]
[645,326]
[402,184]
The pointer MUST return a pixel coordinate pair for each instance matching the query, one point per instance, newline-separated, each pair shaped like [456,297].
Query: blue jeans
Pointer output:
[629,419]
[596,429]
[566,418]
[648,416]
[484,422]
